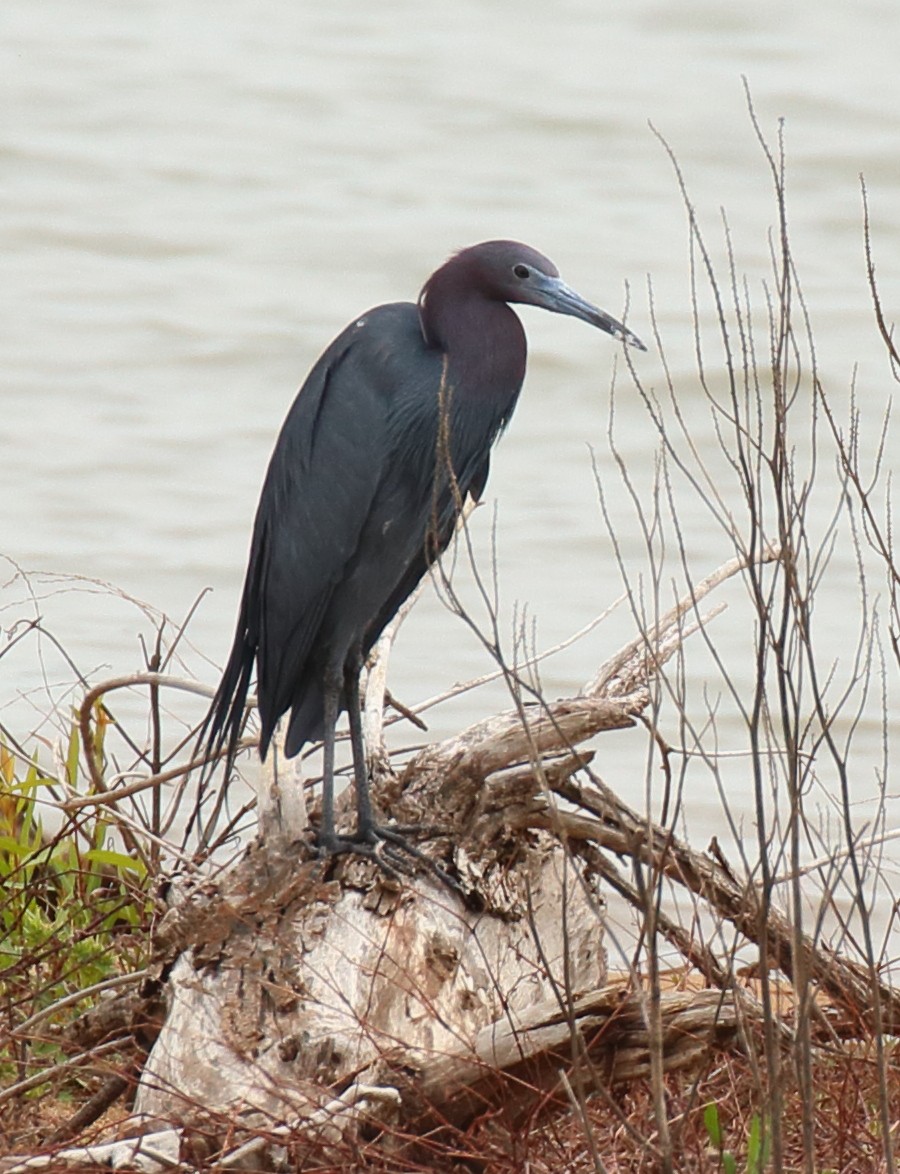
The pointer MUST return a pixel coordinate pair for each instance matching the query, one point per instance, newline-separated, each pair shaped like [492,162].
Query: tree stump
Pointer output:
[289,987]
[312,999]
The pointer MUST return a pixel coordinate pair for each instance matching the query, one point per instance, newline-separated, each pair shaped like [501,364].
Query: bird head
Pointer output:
[512,272]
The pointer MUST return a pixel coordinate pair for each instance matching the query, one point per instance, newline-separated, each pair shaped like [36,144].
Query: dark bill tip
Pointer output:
[561,299]
[616,329]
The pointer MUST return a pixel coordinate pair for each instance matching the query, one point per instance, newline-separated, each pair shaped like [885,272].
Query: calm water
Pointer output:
[193,206]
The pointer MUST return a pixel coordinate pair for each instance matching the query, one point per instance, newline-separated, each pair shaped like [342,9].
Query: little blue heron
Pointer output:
[389,435]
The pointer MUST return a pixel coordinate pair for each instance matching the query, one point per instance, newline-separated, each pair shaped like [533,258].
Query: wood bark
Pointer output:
[313,1001]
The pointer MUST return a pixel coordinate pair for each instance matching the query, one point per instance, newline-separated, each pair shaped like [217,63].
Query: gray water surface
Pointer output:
[196,199]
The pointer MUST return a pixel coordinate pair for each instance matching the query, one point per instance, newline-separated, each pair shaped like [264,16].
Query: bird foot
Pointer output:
[386,847]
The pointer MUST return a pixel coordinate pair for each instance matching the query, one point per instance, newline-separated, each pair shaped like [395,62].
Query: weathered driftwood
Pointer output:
[599,818]
[287,990]
[306,1004]
[600,1038]
[293,987]
[287,987]
[601,1035]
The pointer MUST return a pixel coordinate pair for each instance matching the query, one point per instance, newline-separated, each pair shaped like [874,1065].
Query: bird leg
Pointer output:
[368,832]
[365,821]
[368,840]
[327,840]
[381,844]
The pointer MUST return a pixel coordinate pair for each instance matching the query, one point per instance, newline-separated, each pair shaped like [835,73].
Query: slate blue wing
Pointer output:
[313,506]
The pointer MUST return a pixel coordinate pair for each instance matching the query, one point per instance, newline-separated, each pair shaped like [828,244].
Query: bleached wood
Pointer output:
[293,986]
[280,797]
[286,985]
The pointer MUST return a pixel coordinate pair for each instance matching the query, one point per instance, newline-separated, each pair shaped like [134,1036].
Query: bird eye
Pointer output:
[521,271]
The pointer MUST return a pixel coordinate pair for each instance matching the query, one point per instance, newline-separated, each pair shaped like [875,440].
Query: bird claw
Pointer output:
[384,847]
[375,850]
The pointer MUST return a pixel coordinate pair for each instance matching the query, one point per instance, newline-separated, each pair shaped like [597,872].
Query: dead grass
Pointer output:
[615,1135]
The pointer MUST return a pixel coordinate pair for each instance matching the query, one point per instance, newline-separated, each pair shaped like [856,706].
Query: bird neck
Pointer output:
[483,339]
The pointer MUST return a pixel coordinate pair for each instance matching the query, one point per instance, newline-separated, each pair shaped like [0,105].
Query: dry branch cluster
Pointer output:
[295,1015]
[298,1005]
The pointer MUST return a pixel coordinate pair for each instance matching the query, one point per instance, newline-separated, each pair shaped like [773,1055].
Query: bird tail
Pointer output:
[307,719]
[224,721]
